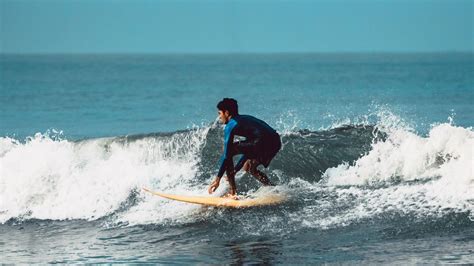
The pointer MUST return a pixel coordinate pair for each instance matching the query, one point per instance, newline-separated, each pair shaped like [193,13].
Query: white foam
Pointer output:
[439,167]
[446,152]
[59,179]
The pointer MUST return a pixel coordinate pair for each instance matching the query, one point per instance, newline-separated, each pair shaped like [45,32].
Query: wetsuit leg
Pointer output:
[250,149]
[247,149]
[271,147]
[251,167]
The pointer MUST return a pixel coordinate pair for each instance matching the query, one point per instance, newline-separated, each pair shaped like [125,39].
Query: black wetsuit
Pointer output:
[261,143]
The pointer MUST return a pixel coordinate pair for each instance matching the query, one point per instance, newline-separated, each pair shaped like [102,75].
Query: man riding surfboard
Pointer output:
[261,144]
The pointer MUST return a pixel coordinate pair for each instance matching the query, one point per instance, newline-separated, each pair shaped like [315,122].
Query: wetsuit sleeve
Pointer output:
[228,141]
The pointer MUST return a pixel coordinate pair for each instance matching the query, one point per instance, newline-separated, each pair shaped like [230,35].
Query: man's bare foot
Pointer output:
[231,196]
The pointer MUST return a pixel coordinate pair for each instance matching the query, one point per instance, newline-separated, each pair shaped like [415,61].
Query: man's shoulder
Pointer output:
[252,121]
[231,124]
[245,117]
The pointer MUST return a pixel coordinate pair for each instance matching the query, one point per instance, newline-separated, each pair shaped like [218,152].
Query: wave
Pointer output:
[359,170]
[424,176]
[48,178]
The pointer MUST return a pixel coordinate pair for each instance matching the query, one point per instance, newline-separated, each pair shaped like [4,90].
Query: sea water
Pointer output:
[377,158]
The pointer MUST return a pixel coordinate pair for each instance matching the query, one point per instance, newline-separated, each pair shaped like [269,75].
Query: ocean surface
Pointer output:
[376,164]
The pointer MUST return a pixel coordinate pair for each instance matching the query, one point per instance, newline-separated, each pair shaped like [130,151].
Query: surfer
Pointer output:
[261,144]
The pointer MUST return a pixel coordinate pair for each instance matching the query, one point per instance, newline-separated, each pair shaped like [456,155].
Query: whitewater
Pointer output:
[90,179]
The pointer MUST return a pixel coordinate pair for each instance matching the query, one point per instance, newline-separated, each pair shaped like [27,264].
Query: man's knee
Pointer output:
[253,167]
[247,166]
[250,166]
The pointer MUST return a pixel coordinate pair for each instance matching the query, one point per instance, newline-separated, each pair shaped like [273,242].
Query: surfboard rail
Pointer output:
[270,199]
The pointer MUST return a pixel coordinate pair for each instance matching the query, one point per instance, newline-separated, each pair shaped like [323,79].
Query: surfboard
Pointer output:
[269,199]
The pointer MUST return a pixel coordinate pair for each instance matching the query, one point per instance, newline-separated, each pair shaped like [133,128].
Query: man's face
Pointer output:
[224,116]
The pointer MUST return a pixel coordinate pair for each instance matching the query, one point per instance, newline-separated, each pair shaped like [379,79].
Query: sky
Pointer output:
[145,26]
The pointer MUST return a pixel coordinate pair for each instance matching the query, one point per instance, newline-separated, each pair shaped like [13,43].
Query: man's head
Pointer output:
[227,108]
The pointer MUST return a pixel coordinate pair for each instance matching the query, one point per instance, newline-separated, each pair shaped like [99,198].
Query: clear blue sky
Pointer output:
[139,26]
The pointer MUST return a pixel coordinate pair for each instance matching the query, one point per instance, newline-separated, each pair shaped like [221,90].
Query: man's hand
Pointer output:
[214,185]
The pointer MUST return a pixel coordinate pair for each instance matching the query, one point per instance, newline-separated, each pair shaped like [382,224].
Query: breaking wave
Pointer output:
[334,176]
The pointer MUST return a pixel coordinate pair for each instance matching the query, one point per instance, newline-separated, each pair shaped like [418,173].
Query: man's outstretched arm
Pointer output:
[226,158]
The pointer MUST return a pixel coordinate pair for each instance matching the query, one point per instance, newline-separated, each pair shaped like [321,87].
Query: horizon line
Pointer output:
[243,53]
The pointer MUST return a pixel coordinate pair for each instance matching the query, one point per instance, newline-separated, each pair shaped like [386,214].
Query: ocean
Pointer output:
[376,164]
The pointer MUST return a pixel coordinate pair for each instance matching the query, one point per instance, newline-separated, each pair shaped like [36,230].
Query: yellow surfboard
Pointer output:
[270,199]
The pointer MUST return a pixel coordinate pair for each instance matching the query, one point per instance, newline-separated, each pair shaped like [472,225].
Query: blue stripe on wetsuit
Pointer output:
[226,157]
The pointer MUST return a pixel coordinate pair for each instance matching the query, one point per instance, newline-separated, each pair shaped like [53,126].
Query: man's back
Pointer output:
[251,128]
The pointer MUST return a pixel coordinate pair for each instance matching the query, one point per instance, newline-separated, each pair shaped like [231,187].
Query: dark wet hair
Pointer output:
[229,104]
